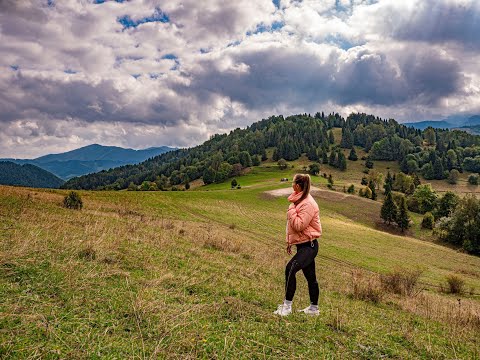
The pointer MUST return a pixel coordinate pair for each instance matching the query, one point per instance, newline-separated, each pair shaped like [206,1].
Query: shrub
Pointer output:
[401,281]
[454,285]
[366,288]
[234,183]
[367,192]
[73,201]
[453,177]
[427,221]
[473,179]
[351,189]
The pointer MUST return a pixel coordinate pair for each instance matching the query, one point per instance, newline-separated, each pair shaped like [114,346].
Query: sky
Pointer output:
[145,73]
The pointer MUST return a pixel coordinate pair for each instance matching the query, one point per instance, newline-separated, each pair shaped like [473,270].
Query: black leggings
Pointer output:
[304,259]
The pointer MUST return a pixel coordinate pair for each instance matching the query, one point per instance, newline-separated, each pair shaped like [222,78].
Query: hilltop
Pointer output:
[27,175]
[431,153]
[90,159]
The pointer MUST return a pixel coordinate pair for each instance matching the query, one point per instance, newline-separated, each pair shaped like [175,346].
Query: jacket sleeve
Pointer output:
[299,217]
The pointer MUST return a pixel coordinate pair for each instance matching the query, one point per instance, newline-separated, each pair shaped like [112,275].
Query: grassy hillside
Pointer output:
[27,175]
[197,274]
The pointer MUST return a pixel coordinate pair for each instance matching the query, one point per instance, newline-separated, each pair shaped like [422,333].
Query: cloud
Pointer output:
[143,73]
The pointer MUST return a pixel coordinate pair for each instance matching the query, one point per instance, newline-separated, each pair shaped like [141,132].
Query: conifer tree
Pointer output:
[331,138]
[333,158]
[389,209]
[264,155]
[341,160]
[438,169]
[324,157]
[353,155]
[403,220]
[388,183]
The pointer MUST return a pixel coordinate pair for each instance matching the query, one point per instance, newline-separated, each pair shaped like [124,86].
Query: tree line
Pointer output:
[431,153]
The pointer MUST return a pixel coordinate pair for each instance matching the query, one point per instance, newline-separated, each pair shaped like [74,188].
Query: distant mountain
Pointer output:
[473,121]
[27,175]
[463,122]
[90,159]
[438,124]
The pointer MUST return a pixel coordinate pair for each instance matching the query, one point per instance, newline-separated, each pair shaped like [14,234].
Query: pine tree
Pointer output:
[276,155]
[403,219]
[388,186]
[333,158]
[369,163]
[389,209]
[341,161]
[331,138]
[324,157]
[438,169]
[264,155]
[353,155]
[312,154]
[347,138]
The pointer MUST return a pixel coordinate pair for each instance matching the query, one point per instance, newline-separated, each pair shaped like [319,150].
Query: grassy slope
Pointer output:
[197,274]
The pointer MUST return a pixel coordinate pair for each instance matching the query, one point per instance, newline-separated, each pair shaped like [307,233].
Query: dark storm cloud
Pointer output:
[277,76]
[435,21]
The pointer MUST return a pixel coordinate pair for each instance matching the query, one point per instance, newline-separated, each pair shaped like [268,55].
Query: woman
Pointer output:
[303,229]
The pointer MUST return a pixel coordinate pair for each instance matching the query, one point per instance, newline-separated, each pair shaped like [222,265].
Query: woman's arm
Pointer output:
[299,217]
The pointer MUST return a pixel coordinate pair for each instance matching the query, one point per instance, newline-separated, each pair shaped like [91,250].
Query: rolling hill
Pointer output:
[90,159]
[466,123]
[197,274]
[27,175]
[226,155]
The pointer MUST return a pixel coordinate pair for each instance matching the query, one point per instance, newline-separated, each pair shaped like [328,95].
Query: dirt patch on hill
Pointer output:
[353,207]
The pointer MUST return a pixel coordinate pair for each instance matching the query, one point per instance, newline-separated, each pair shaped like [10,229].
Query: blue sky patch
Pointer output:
[50,3]
[70,71]
[136,76]
[261,28]
[170,57]
[340,42]
[158,16]
[14,67]
[276,3]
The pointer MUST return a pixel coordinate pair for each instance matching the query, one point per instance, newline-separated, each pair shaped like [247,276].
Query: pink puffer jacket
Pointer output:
[303,221]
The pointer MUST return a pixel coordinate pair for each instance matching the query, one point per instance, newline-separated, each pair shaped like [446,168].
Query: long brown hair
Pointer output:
[304,181]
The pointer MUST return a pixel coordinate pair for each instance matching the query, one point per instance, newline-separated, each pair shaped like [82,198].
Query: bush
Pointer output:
[73,201]
[366,288]
[453,177]
[234,183]
[427,221]
[473,179]
[351,189]
[401,281]
[454,285]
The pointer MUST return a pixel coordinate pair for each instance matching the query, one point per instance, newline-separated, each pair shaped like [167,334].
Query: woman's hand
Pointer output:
[289,249]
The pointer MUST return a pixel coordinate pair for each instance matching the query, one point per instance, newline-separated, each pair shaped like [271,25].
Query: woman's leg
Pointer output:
[302,258]
[313,289]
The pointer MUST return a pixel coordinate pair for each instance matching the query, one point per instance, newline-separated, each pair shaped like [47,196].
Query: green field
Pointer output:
[197,274]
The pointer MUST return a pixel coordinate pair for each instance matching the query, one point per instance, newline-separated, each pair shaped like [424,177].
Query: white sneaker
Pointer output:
[283,310]
[309,311]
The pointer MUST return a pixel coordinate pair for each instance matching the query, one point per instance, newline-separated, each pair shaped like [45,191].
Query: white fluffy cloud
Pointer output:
[143,73]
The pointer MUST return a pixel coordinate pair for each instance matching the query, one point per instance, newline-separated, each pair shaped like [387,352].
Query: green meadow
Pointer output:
[198,273]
